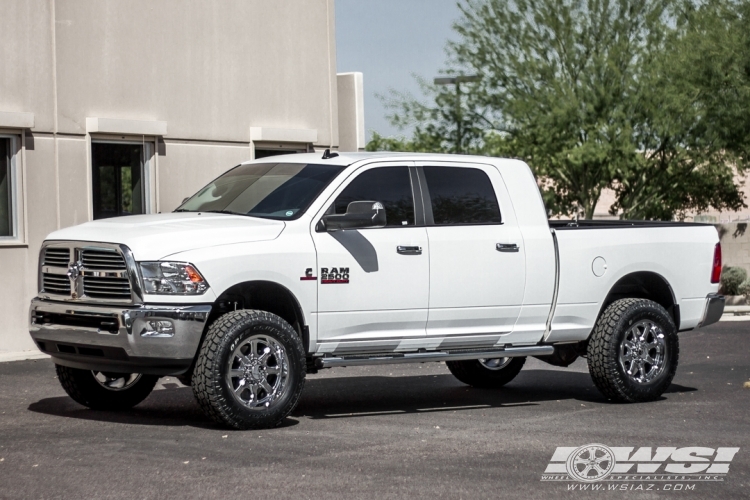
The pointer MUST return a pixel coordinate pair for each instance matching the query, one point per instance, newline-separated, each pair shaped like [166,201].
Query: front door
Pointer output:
[373,283]
[477,262]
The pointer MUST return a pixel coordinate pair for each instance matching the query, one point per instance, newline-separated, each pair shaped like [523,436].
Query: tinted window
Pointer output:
[461,196]
[391,186]
[269,190]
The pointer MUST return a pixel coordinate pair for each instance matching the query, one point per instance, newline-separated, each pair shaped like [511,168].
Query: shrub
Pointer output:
[744,288]
[731,279]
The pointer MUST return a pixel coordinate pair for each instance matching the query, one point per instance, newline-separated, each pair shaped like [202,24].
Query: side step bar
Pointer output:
[424,357]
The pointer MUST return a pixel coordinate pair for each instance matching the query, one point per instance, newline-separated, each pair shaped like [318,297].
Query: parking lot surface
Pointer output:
[399,431]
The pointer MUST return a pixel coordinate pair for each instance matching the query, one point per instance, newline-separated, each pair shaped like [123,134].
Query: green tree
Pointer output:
[592,95]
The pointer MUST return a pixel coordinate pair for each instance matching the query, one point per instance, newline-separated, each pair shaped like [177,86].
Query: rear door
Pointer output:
[477,262]
[373,283]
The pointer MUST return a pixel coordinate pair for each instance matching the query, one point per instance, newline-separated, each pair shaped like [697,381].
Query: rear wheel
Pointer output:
[633,351]
[250,370]
[105,390]
[486,373]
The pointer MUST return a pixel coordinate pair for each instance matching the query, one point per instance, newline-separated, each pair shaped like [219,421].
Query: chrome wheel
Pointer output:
[495,363]
[258,371]
[643,352]
[116,381]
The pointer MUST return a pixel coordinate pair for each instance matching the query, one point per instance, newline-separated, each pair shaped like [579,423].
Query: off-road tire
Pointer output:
[84,389]
[209,381]
[474,374]
[604,345]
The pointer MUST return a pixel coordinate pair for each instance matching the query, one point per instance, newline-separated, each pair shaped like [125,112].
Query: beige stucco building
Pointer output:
[111,107]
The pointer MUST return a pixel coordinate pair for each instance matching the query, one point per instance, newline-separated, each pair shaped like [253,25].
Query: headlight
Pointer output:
[172,278]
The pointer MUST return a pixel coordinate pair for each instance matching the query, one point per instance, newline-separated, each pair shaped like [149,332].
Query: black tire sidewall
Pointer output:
[646,310]
[84,389]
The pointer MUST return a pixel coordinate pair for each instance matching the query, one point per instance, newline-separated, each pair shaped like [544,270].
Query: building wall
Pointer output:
[210,70]
[735,244]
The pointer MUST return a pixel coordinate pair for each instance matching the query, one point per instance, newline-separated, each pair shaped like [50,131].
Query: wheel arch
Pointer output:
[265,296]
[644,285]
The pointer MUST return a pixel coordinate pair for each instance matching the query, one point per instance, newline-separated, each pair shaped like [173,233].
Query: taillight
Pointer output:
[716,269]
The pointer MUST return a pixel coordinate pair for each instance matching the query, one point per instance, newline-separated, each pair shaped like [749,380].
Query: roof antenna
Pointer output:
[327,154]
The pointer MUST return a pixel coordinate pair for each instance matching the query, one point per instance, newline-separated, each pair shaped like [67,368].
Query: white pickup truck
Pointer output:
[291,264]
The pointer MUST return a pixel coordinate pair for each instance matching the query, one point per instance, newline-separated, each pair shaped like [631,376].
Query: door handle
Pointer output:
[409,250]
[507,247]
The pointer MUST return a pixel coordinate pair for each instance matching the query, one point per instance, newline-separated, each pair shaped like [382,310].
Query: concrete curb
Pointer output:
[21,355]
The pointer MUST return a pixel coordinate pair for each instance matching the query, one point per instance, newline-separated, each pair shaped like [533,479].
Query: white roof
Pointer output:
[349,158]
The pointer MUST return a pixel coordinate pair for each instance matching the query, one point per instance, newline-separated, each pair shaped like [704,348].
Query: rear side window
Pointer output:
[461,196]
[391,186]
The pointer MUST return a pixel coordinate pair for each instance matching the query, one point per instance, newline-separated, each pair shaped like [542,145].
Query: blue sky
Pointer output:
[389,41]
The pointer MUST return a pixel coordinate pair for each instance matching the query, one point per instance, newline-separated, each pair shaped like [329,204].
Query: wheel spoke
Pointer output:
[240,387]
[263,358]
[266,387]
[599,469]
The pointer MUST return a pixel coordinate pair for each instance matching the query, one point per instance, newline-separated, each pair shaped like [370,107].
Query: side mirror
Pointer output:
[359,214]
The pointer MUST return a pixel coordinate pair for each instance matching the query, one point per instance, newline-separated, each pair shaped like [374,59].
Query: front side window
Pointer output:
[117,179]
[6,189]
[461,196]
[391,186]
[269,190]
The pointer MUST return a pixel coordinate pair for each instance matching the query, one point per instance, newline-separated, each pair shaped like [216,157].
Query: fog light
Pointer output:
[158,328]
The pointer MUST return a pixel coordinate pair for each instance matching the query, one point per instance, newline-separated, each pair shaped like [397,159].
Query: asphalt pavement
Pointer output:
[399,431]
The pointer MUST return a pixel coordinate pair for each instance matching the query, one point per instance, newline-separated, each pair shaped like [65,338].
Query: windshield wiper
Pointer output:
[223,212]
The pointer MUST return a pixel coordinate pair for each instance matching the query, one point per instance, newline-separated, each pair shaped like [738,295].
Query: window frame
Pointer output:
[427,198]
[416,193]
[17,236]
[147,169]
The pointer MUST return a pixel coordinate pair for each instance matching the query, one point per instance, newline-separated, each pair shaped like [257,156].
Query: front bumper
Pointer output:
[714,309]
[118,339]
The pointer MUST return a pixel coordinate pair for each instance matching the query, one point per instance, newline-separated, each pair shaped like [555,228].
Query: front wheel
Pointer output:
[633,352]
[486,373]
[105,390]
[250,370]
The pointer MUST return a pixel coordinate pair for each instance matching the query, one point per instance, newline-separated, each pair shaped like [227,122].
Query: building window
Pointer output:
[120,178]
[265,153]
[7,182]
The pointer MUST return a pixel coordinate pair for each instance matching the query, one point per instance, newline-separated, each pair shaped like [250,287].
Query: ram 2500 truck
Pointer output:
[291,264]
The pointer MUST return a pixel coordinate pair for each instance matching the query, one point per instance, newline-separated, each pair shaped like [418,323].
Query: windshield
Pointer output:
[269,190]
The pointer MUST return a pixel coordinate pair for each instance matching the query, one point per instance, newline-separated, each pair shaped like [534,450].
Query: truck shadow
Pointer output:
[357,396]
[378,395]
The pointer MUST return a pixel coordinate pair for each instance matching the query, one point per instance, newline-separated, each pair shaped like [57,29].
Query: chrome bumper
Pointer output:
[112,338]
[714,309]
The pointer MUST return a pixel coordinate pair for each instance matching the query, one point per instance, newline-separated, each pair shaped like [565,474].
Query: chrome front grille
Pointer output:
[56,283]
[56,257]
[88,272]
[106,288]
[102,260]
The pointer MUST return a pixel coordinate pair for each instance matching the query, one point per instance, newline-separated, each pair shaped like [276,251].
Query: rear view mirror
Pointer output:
[359,214]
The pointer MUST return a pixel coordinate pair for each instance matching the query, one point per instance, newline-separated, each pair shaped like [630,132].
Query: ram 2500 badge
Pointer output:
[288,265]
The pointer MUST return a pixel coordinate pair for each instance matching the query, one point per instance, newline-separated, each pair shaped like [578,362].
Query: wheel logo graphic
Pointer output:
[592,462]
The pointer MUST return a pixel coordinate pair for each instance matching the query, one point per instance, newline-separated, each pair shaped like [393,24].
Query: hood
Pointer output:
[153,237]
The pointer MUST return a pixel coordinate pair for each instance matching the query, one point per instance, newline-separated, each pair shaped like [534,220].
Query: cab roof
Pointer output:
[346,159]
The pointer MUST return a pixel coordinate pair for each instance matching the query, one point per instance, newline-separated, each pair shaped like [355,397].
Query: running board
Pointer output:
[424,357]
